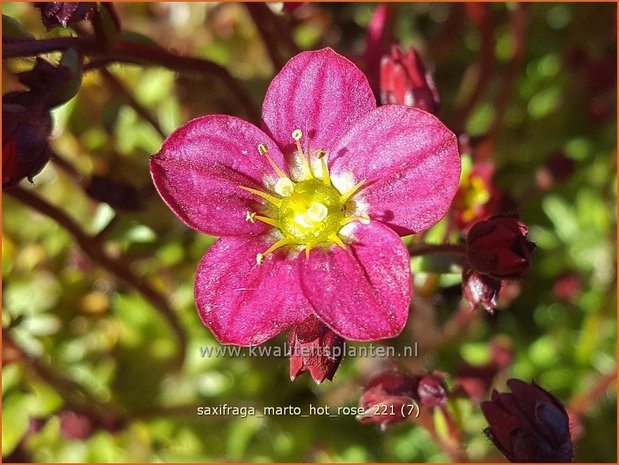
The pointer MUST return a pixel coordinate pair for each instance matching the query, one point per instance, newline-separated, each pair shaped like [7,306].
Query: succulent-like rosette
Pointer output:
[309,208]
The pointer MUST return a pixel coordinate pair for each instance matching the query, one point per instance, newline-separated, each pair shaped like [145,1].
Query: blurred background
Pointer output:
[101,340]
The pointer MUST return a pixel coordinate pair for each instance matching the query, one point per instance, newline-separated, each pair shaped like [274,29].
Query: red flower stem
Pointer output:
[265,23]
[458,325]
[582,402]
[27,48]
[456,453]
[119,88]
[483,66]
[275,32]
[417,250]
[74,395]
[446,39]
[130,52]
[68,168]
[115,266]
[518,28]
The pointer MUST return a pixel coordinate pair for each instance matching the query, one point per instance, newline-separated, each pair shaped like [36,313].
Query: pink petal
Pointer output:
[362,293]
[410,162]
[244,303]
[200,167]
[321,93]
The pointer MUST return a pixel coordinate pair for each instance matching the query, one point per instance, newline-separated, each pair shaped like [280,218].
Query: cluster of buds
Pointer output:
[392,396]
[497,249]
[26,122]
[26,119]
[529,424]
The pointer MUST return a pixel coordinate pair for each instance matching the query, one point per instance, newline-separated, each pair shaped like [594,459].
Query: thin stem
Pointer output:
[114,266]
[24,48]
[129,52]
[263,19]
[518,28]
[483,69]
[417,250]
[452,445]
[74,395]
[118,87]
[585,400]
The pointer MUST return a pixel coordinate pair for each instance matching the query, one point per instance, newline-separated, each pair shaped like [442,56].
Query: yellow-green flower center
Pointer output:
[308,213]
[311,214]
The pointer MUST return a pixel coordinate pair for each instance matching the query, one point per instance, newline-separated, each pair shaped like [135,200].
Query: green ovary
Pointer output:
[312,214]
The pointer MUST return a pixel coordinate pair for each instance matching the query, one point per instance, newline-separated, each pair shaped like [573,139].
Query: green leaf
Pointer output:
[15,420]
[12,28]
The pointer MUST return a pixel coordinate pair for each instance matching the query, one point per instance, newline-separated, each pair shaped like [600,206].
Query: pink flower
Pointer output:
[310,206]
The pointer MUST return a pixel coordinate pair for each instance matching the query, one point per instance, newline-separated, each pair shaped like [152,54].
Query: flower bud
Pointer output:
[431,389]
[386,398]
[314,348]
[56,14]
[25,150]
[480,290]
[404,81]
[528,425]
[498,247]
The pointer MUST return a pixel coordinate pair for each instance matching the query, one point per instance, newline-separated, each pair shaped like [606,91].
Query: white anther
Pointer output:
[251,217]
[297,134]
[259,258]
[284,187]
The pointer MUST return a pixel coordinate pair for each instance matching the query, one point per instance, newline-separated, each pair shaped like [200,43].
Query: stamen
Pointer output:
[308,248]
[251,217]
[352,191]
[317,212]
[296,135]
[321,154]
[269,198]
[262,148]
[363,219]
[259,258]
[284,187]
[335,238]
[267,220]
[282,242]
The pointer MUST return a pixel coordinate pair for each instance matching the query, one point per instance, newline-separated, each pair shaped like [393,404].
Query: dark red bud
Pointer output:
[25,149]
[55,14]
[498,247]
[528,425]
[480,290]
[314,348]
[404,81]
[387,398]
[431,390]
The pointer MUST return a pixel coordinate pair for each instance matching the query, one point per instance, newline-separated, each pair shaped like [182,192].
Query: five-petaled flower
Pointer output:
[310,206]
